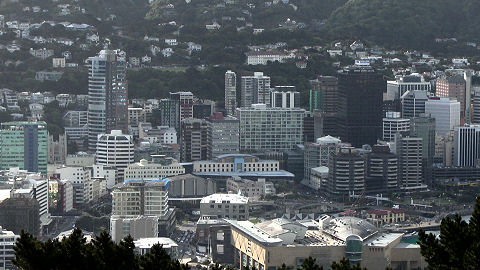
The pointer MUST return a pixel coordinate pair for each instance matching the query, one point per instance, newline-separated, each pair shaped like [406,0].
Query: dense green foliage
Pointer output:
[457,247]
[53,115]
[74,252]
[406,23]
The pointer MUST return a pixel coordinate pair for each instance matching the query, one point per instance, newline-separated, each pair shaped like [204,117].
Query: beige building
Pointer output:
[136,116]
[236,163]
[254,190]
[231,206]
[270,244]
[385,216]
[81,159]
[160,167]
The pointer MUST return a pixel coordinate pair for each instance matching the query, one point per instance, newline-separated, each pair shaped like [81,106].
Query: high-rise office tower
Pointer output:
[392,124]
[185,104]
[396,89]
[285,97]
[424,127]
[453,86]
[346,173]
[410,153]
[310,127]
[270,129]
[468,77]
[413,103]
[466,146]
[382,170]
[323,94]
[169,113]
[413,82]
[360,97]
[107,95]
[318,154]
[193,140]
[24,145]
[446,112]
[115,149]
[223,135]
[255,89]
[230,92]
[323,100]
[476,100]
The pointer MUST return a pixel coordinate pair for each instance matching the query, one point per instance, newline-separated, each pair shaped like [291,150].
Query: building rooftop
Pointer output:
[406,245]
[147,183]
[225,198]
[328,139]
[146,243]
[342,227]
[251,230]
[417,94]
[279,173]
[383,240]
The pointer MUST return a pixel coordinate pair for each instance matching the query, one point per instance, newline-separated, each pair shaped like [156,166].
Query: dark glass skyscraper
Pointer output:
[360,98]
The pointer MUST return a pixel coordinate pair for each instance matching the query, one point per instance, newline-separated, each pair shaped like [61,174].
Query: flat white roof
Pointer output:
[223,198]
[251,230]
[382,240]
[146,243]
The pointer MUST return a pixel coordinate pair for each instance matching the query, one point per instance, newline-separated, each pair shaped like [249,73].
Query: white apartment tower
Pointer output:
[255,89]
[230,92]
[7,254]
[115,149]
[392,124]
[107,95]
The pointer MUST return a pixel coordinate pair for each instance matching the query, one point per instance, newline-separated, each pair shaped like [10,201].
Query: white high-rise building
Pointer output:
[107,95]
[466,146]
[255,89]
[446,112]
[7,254]
[115,149]
[392,124]
[230,92]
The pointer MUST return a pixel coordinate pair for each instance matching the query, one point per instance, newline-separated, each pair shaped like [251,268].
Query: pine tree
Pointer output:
[457,246]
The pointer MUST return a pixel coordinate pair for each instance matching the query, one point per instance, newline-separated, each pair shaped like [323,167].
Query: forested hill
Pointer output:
[406,23]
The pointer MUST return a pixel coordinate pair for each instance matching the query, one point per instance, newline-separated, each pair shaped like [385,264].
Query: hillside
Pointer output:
[204,11]
[125,11]
[406,23]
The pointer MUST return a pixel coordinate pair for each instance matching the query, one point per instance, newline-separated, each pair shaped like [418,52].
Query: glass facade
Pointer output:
[272,129]
[24,145]
[353,249]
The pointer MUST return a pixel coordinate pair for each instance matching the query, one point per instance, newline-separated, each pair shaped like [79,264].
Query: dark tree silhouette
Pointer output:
[457,247]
